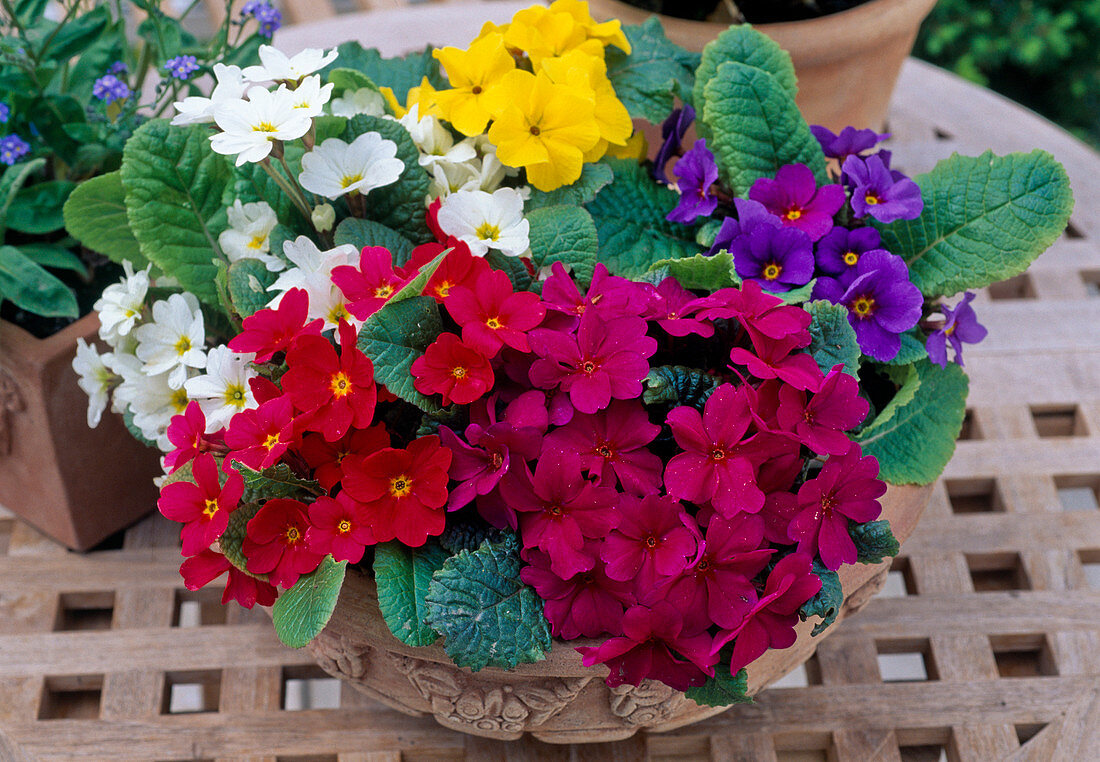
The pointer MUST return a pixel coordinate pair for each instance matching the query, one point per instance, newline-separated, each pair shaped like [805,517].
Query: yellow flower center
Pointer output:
[257,242]
[235,395]
[384,291]
[772,271]
[493,323]
[343,527]
[348,180]
[264,127]
[179,400]
[871,199]
[340,385]
[851,258]
[458,372]
[794,214]
[293,536]
[863,306]
[444,288]
[183,345]
[211,507]
[535,130]
[271,442]
[949,330]
[400,486]
[337,313]
[717,454]
[487,232]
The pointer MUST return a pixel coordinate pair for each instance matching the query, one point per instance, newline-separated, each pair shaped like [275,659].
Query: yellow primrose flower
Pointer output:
[544,127]
[588,74]
[423,95]
[542,34]
[472,74]
[608,33]
[636,148]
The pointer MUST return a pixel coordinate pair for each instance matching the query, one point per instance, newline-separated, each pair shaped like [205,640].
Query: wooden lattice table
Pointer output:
[988,633]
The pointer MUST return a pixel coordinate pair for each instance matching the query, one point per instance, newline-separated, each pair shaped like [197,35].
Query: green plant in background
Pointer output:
[1044,54]
[73,88]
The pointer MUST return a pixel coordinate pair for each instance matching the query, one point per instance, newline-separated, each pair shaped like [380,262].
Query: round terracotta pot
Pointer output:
[847,63]
[558,700]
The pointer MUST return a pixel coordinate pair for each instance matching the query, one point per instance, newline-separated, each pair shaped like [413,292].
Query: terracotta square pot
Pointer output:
[75,484]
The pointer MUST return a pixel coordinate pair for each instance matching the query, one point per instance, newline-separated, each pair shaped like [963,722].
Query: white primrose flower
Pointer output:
[121,303]
[313,273]
[448,178]
[223,391]
[156,404]
[249,127]
[335,168]
[434,141]
[249,234]
[174,340]
[278,66]
[361,101]
[310,96]
[95,378]
[486,221]
[196,110]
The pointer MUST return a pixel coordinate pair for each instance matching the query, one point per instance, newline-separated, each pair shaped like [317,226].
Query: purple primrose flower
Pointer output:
[181,67]
[881,302]
[110,88]
[779,259]
[839,251]
[697,172]
[794,197]
[877,191]
[12,149]
[750,214]
[850,141]
[673,130]
[961,325]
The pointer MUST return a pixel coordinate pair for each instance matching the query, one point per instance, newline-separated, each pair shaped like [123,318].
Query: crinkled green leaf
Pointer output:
[400,205]
[95,215]
[564,234]
[487,615]
[232,540]
[403,575]
[513,267]
[756,128]
[707,233]
[912,348]
[985,218]
[593,178]
[701,272]
[394,337]
[174,183]
[832,338]
[678,385]
[745,45]
[302,612]
[400,73]
[630,221]
[723,689]
[826,604]
[874,541]
[655,70]
[29,287]
[248,280]
[277,481]
[914,435]
[361,233]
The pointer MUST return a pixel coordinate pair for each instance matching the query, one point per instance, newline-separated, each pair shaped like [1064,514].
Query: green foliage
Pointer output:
[985,218]
[37,209]
[832,338]
[29,287]
[630,221]
[415,287]
[248,280]
[361,233]
[914,435]
[403,574]
[401,73]
[826,604]
[678,385]
[515,269]
[349,79]
[399,206]
[11,181]
[723,689]
[277,481]
[461,535]
[654,71]
[745,45]
[487,615]
[302,612]
[95,214]
[394,337]
[173,183]
[593,178]
[52,255]
[701,272]
[874,541]
[912,348]
[564,234]
[232,538]
[755,127]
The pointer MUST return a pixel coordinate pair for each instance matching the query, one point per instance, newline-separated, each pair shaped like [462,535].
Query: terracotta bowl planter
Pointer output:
[557,700]
[847,63]
[76,484]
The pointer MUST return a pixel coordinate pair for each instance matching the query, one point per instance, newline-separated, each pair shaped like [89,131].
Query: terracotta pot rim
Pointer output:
[17,339]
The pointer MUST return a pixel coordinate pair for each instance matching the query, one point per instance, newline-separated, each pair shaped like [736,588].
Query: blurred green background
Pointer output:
[1044,54]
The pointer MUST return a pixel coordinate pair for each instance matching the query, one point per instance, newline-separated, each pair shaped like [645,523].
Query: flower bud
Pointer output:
[323,216]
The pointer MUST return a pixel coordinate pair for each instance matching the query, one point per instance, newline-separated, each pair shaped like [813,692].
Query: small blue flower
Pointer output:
[118,67]
[181,67]
[12,149]
[5,112]
[266,15]
[110,88]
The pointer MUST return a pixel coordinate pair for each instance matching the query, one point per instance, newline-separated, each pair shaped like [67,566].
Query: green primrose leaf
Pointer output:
[403,575]
[914,435]
[401,73]
[912,348]
[593,178]
[723,689]
[360,233]
[701,272]
[832,338]
[678,385]
[302,612]
[277,481]
[826,604]
[985,218]
[874,541]
[564,234]
[95,215]
[487,615]
[653,72]
[232,540]
[394,337]
[29,287]
[343,79]
[247,281]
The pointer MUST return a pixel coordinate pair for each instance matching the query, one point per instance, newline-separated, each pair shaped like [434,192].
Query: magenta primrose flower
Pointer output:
[793,196]
[655,540]
[604,360]
[609,296]
[202,506]
[258,437]
[587,604]
[672,306]
[819,421]
[479,466]
[492,315]
[758,311]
